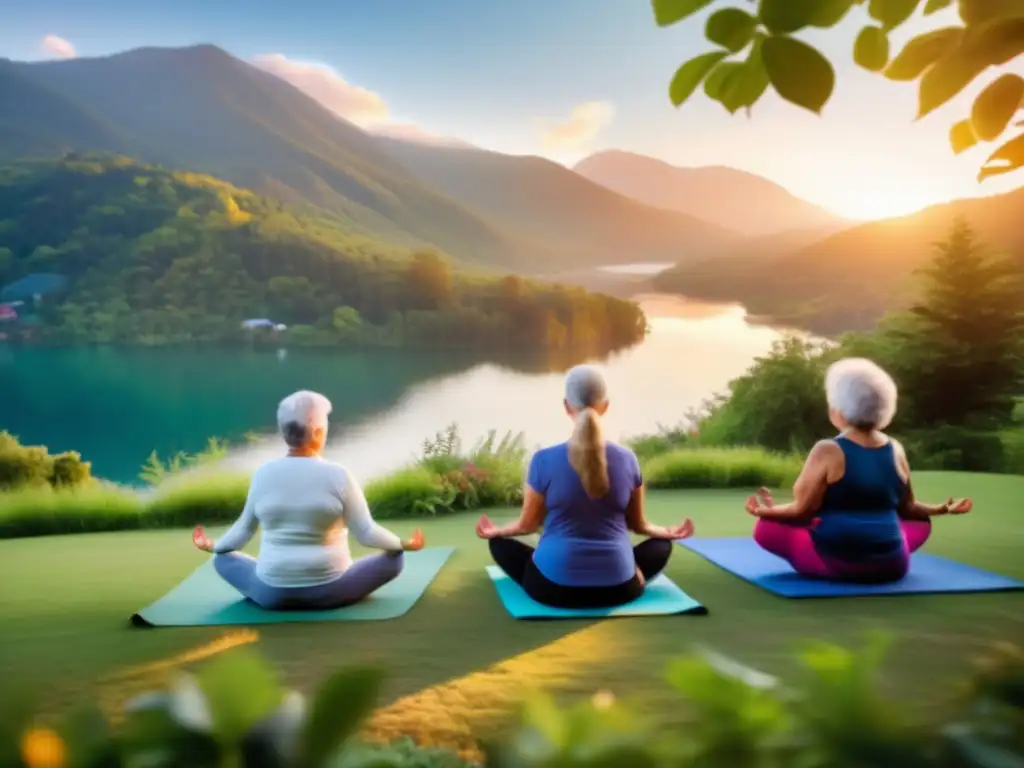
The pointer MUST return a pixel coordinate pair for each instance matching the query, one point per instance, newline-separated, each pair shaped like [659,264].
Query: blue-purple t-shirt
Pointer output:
[585,542]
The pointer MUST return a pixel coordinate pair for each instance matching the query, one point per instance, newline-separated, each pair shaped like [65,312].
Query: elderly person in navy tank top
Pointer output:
[588,494]
[854,516]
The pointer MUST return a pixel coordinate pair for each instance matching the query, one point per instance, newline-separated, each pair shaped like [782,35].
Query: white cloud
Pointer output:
[354,103]
[358,105]
[58,47]
[585,121]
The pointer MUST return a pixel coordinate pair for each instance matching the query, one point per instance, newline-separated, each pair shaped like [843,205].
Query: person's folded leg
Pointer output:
[651,556]
[916,533]
[238,570]
[363,578]
[512,556]
[793,544]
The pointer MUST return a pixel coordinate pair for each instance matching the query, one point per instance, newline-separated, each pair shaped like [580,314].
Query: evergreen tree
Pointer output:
[964,360]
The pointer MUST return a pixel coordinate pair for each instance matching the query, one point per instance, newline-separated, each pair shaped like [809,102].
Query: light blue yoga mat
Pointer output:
[205,599]
[928,573]
[661,598]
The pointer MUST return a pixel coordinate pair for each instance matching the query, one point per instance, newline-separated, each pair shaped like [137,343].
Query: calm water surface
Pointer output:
[115,406]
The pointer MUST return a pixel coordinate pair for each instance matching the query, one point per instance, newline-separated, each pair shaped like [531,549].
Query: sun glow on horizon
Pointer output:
[887,199]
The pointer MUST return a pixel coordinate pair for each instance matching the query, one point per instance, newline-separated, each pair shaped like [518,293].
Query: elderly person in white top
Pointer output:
[306,506]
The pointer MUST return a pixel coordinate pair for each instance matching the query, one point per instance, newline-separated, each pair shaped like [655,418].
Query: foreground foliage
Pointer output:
[235,712]
[943,61]
[153,257]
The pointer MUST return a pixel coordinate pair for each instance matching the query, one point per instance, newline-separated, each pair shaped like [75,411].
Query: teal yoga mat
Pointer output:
[205,599]
[661,598]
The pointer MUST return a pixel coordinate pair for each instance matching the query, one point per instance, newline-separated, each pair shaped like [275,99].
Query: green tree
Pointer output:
[779,403]
[942,61]
[962,352]
[430,281]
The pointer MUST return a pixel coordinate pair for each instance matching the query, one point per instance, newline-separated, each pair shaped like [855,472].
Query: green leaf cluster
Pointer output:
[942,61]
[234,712]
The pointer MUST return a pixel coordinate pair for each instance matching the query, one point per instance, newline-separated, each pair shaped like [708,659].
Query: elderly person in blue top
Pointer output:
[588,495]
[854,516]
[306,506]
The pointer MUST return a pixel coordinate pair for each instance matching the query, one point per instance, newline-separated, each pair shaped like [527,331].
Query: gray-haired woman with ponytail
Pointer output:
[588,494]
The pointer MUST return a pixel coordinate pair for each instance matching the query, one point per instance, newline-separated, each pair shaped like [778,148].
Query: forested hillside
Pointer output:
[849,280]
[155,257]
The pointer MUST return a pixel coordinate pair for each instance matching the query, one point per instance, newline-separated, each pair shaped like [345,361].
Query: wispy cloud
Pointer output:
[58,47]
[356,104]
[360,106]
[586,120]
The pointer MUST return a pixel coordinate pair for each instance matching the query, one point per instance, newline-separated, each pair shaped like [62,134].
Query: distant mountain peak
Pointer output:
[726,196]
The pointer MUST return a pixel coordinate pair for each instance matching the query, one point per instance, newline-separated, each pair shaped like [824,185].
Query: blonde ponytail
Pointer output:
[587,454]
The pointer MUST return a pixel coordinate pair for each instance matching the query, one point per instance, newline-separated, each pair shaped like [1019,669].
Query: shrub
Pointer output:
[956,448]
[43,511]
[721,468]
[411,492]
[202,499]
[234,712]
[1013,450]
[664,440]
[32,466]
[445,478]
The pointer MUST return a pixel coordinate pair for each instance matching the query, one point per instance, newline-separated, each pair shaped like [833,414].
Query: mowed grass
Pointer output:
[458,662]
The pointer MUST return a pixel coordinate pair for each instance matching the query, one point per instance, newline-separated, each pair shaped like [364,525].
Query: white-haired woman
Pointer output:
[589,495]
[853,515]
[306,506]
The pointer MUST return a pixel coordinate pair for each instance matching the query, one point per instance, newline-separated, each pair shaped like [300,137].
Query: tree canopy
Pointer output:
[156,257]
[755,48]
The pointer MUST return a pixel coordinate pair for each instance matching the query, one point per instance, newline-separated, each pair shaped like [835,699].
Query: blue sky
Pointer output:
[500,74]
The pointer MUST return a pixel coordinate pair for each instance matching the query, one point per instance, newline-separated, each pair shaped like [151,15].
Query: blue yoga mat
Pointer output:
[928,573]
[205,599]
[661,598]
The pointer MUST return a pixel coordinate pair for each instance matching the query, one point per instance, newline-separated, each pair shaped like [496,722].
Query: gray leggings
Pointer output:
[363,577]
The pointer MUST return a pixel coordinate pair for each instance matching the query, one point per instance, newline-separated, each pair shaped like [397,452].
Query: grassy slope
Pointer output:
[458,660]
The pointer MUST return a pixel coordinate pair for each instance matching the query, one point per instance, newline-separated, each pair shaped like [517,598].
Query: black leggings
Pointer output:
[516,559]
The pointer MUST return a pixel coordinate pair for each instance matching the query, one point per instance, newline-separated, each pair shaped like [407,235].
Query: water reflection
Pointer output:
[690,354]
[115,406]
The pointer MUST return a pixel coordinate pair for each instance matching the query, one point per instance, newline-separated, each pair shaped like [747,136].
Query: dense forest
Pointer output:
[155,257]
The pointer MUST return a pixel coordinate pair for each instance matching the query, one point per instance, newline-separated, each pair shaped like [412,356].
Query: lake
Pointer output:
[115,406]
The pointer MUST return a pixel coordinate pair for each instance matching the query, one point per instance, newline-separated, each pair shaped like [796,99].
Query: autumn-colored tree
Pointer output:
[943,61]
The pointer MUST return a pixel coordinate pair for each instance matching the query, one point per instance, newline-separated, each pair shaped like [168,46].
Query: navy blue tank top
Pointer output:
[859,519]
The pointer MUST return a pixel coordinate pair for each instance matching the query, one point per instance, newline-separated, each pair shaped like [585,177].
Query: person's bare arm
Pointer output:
[637,521]
[809,489]
[910,507]
[530,518]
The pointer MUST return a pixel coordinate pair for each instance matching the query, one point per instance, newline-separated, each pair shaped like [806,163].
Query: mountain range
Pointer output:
[731,198]
[848,280]
[201,109]
[730,232]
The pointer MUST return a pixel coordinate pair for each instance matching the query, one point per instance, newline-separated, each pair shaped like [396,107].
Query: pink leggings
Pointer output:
[793,543]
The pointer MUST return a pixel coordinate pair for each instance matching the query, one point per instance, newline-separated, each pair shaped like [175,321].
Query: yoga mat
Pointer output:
[205,599]
[929,574]
[661,597]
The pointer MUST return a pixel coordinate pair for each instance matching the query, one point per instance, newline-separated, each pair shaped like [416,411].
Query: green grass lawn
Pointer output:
[458,661]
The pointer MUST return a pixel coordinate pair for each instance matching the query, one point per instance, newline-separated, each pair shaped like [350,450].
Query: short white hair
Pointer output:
[585,387]
[301,413]
[862,393]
